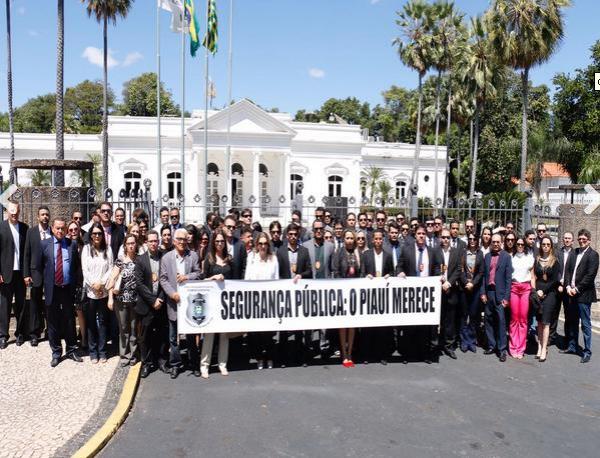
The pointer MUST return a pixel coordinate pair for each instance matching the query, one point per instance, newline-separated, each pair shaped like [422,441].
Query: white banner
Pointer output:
[281,305]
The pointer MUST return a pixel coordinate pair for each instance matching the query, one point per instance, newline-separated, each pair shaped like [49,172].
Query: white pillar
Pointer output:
[256,185]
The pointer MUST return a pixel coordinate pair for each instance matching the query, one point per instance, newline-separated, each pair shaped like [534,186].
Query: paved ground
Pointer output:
[474,406]
[42,408]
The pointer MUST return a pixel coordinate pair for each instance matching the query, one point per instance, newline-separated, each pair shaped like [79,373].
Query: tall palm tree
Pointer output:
[11,126]
[414,49]
[478,72]
[526,33]
[372,176]
[104,11]
[446,29]
[384,188]
[59,175]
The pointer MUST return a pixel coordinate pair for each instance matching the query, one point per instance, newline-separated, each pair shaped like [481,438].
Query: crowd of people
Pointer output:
[118,284]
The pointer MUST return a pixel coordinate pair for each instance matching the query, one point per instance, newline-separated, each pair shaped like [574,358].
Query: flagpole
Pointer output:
[158,146]
[205,174]
[182,156]
[228,187]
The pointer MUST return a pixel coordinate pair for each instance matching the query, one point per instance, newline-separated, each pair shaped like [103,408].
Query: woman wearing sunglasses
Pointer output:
[471,304]
[74,233]
[523,281]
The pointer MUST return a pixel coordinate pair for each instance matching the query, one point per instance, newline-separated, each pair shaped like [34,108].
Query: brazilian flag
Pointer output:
[210,39]
[190,15]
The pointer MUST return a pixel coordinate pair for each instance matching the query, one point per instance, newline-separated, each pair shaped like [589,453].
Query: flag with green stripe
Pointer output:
[211,37]
[190,15]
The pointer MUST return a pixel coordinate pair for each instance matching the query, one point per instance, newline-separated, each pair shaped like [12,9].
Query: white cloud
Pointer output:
[132,58]
[316,73]
[95,57]
[33,33]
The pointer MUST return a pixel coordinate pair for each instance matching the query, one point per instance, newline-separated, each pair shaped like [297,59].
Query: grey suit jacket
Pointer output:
[168,276]
[327,256]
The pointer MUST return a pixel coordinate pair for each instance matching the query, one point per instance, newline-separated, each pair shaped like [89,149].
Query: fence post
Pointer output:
[527,212]
[414,201]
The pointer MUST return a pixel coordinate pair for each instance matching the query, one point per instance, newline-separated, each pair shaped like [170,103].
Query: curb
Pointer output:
[117,417]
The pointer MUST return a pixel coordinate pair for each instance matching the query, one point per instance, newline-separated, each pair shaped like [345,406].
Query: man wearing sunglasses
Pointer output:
[431,239]
[580,279]
[33,277]
[235,248]
[114,236]
[380,220]
[174,220]
[540,230]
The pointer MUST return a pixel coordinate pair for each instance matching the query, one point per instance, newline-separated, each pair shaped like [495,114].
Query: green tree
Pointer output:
[37,115]
[349,109]
[139,97]
[84,106]
[40,177]
[384,188]
[414,49]
[104,11]
[590,169]
[372,176]
[526,33]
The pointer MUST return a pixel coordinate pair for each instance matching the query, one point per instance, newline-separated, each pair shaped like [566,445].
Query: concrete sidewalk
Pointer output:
[48,411]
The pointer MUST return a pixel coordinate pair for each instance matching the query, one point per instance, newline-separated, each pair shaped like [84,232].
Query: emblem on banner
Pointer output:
[196,309]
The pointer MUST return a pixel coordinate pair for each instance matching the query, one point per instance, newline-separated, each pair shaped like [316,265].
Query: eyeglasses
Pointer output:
[77,218]
[541,230]
[520,244]
[362,219]
[319,229]
[106,210]
[497,242]
[73,229]
[380,219]
[262,244]
[96,234]
[545,244]
[472,239]
[230,226]
[181,239]
[247,215]
[219,241]
[328,237]
[360,238]
[429,224]
[292,234]
[445,237]
[414,225]
[404,229]
[582,239]
[275,231]
[174,216]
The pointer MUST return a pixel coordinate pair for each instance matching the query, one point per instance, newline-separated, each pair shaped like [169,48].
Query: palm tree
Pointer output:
[526,33]
[590,169]
[415,52]
[11,130]
[40,177]
[372,176]
[384,188]
[82,177]
[447,35]
[478,70]
[103,11]
[59,175]
[464,109]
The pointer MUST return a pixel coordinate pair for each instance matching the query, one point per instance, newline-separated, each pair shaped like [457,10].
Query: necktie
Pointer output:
[420,262]
[58,273]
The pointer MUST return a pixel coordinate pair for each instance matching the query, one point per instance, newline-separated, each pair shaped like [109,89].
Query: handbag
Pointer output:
[535,302]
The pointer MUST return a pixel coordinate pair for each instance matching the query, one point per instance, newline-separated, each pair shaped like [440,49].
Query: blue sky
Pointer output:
[289,54]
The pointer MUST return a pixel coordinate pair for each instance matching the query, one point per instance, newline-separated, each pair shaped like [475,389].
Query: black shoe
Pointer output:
[384,362]
[196,372]
[586,358]
[54,362]
[464,348]
[502,357]
[567,352]
[3,343]
[163,368]
[174,373]
[34,342]
[489,351]
[20,341]
[145,372]
[75,357]
[450,353]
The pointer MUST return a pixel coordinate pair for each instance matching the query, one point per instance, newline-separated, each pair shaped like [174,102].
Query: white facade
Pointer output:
[270,153]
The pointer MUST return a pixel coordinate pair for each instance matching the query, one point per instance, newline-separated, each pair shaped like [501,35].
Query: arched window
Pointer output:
[237,172]
[212,186]
[296,185]
[263,170]
[400,189]
[212,168]
[174,184]
[335,186]
[363,188]
[237,169]
[133,180]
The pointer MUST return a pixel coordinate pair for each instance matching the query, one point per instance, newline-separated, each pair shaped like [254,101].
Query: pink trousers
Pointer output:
[519,308]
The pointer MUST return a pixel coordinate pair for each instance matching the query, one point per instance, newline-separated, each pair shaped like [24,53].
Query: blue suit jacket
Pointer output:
[47,264]
[503,277]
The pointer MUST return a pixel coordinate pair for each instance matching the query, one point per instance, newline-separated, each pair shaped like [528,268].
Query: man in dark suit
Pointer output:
[13,234]
[563,256]
[418,260]
[392,244]
[60,265]
[455,240]
[495,294]
[376,343]
[581,289]
[294,263]
[451,267]
[236,249]
[150,309]
[174,216]
[33,277]
[431,238]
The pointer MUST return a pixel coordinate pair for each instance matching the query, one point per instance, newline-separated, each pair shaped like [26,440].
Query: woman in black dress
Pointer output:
[346,264]
[547,278]
[217,267]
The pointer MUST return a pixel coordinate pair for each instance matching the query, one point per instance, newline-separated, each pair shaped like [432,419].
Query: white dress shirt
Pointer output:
[424,261]
[14,229]
[257,269]
[522,264]
[378,263]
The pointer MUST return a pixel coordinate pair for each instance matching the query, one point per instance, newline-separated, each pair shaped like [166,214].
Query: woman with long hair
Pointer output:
[523,281]
[122,300]
[262,264]
[217,267]
[346,264]
[547,280]
[203,245]
[509,243]
[166,239]
[193,237]
[486,240]
[361,242]
[96,266]
[74,233]
[473,266]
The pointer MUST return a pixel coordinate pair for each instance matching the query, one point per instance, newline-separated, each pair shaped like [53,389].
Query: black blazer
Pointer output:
[46,263]
[143,285]
[585,277]
[7,249]
[367,264]
[560,256]
[303,265]
[408,261]
[339,264]
[454,267]
[238,263]
[31,256]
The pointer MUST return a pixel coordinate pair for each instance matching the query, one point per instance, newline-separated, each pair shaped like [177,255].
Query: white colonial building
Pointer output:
[270,155]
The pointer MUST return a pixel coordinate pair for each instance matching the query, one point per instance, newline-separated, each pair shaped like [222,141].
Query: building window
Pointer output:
[296,185]
[400,189]
[212,168]
[335,186]
[174,184]
[133,180]
[237,172]
[363,188]
[263,196]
